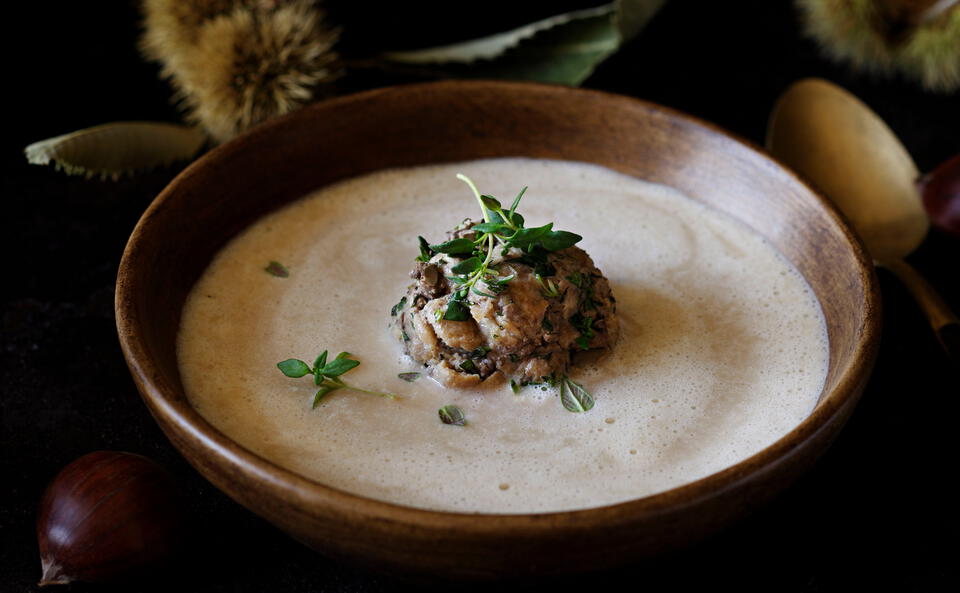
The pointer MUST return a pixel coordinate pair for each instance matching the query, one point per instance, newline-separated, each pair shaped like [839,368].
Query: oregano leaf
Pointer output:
[294,368]
[453,415]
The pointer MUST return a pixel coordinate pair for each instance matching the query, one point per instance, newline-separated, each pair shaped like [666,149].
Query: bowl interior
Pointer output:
[229,188]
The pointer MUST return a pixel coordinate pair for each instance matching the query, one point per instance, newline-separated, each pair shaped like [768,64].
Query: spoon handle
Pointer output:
[943,321]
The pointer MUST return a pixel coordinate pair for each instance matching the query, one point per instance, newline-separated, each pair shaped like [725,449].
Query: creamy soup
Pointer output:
[723,346]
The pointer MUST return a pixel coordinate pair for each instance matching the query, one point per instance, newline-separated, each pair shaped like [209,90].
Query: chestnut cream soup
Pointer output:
[722,346]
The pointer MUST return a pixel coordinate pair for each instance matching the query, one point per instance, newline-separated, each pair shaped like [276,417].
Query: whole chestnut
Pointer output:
[940,189]
[108,516]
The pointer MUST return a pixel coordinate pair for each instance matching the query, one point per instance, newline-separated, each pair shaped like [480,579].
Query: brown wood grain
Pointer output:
[285,159]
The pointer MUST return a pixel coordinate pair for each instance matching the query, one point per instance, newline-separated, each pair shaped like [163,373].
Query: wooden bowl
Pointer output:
[238,182]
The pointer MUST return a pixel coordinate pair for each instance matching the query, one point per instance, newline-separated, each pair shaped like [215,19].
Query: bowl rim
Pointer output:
[314,494]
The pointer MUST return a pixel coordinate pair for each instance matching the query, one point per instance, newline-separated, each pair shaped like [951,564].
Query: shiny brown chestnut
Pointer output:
[940,189]
[109,516]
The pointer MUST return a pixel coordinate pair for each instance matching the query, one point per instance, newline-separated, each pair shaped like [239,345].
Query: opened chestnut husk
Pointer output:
[109,517]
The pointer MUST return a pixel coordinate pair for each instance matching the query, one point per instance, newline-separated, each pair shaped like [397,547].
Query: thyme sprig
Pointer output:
[326,375]
[475,273]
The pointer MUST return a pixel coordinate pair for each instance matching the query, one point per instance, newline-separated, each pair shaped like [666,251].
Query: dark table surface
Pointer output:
[877,511]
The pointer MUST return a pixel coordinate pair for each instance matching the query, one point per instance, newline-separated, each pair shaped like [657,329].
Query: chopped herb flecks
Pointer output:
[451,414]
[275,268]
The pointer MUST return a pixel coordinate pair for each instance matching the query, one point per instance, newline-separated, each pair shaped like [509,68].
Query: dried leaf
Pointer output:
[564,49]
[493,46]
[118,148]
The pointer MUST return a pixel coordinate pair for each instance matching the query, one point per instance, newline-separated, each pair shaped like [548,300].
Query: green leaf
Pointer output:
[321,360]
[467,266]
[557,240]
[536,258]
[490,203]
[574,397]
[451,414]
[459,246]
[477,291]
[525,238]
[563,49]
[338,367]
[514,386]
[457,311]
[275,268]
[468,366]
[323,391]
[294,368]
[516,202]
[409,377]
[493,46]
[425,252]
[490,227]
[480,351]
[398,307]
[517,219]
[119,148]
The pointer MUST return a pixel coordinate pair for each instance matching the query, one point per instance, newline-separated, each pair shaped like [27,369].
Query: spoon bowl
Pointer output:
[843,147]
[833,139]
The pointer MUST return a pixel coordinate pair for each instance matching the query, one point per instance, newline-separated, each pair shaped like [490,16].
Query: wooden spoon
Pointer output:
[843,147]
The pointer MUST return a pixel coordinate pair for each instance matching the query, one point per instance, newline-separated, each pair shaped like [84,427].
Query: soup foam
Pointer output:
[723,347]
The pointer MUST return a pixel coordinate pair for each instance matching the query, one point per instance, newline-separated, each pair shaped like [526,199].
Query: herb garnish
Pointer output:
[326,375]
[475,274]
[585,326]
[409,377]
[451,414]
[275,268]
[574,397]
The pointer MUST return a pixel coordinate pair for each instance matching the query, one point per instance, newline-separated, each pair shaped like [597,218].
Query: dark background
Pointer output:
[878,512]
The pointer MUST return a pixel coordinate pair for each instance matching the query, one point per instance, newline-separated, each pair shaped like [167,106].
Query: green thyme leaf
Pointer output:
[557,240]
[409,377]
[525,238]
[513,207]
[451,414]
[491,203]
[468,366]
[321,360]
[322,392]
[514,386]
[425,252]
[490,227]
[338,366]
[294,368]
[457,311]
[574,397]
[459,246]
[480,352]
[467,266]
[398,307]
[516,219]
[275,268]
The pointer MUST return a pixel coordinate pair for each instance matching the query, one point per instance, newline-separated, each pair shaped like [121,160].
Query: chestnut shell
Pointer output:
[108,517]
